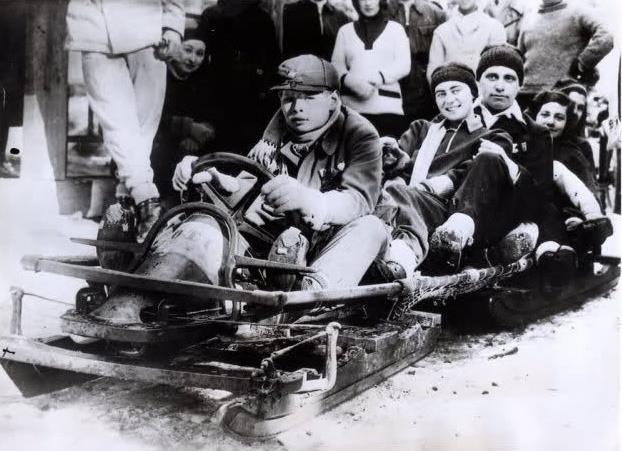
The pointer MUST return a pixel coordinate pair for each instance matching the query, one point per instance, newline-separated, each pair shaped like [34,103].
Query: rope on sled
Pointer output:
[417,289]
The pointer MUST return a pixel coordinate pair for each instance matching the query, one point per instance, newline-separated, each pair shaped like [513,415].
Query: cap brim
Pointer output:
[299,87]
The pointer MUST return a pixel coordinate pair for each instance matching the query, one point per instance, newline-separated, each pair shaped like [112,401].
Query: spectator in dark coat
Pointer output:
[188,124]
[310,27]
[419,18]
[244,55]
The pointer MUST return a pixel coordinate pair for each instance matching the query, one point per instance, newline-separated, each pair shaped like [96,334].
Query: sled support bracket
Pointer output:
[328,381]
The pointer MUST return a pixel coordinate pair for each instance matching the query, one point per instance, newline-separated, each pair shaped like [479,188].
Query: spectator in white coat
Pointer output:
[372,55]
[463,37]
[126,82]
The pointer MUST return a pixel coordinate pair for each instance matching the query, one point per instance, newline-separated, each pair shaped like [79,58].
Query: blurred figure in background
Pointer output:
[372,55]
[419,18]
[561,40]
[189,116]
[463,37]
[310,27]
[244,56]
[510,13]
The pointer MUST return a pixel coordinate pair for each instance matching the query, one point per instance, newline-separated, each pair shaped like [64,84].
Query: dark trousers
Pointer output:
[487,195]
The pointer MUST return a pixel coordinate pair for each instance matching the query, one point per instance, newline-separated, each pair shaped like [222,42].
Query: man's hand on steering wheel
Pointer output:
[284,194]
[225,184]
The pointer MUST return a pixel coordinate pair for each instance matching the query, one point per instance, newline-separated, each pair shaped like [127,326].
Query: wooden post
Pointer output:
[17,294]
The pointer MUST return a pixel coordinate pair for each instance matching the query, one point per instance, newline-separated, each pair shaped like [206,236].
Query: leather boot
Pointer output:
[291,246]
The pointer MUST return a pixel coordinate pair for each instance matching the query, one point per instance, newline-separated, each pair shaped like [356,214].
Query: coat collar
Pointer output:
[513,112]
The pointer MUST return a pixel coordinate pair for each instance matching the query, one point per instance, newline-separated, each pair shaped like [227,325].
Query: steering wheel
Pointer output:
[236,207]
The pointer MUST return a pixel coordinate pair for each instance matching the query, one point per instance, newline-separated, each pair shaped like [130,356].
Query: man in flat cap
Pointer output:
[326,159]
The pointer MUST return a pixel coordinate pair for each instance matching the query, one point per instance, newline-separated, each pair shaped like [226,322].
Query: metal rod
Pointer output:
[17,295]
[282,351]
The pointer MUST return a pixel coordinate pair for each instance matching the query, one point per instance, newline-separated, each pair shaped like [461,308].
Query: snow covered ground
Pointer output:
[558,388]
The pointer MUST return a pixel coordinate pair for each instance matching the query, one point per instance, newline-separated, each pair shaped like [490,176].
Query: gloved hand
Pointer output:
[611,128]
[223,183]
[441,185]
[584,75]
[284,194]
[202,132]
[394,159]
[495,149]
[361,87]
[183,172]
[170,46]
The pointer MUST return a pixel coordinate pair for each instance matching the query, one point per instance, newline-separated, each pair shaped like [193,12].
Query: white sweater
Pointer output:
[389,55]
[462,38]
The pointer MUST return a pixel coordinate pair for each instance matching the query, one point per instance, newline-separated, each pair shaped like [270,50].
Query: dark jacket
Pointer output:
[345,164]
[568,151]
[420,22]
[457,149]
[305,31]
[244,54]
[532,149]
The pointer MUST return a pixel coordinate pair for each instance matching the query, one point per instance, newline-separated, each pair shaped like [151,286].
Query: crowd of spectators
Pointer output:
[425,75]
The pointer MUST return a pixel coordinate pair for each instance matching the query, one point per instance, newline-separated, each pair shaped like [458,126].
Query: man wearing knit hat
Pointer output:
[500,76]
[327,163]
[459,188]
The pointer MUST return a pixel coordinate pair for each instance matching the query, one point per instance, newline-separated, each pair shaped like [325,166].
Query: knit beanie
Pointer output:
[454,72]
[501,55]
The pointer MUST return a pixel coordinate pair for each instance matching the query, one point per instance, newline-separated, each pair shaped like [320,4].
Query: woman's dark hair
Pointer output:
[384,6]
[568,85]
[549,96]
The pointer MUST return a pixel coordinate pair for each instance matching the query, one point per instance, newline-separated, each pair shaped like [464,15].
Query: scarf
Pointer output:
[279,141]
[427,151]
[369,28]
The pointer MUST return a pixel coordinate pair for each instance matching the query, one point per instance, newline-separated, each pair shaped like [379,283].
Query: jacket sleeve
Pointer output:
[437,55]
[600,43]
[360,185]
[173,15]
[575,190]
[497,136]
[400,66]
